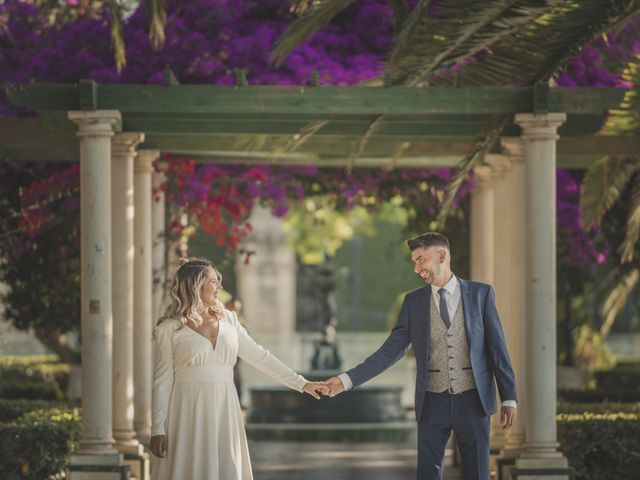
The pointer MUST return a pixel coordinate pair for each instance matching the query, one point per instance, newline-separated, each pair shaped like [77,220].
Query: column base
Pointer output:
[542,469]
[139,462]
[507,461]
[98,467]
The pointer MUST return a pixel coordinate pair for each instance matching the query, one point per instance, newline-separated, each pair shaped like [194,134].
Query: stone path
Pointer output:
[334,461]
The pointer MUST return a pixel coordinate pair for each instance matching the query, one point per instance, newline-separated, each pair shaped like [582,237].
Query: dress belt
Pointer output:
[211,373]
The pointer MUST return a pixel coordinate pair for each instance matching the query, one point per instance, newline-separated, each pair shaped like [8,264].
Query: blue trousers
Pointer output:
[462,413]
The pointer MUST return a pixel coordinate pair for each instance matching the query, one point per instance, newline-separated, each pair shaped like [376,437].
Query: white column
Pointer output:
[266,285]
[482,225]
[143,321]
[123,153]
[502,263]
[539,136]
[95,132]
[516,338]
[159,240]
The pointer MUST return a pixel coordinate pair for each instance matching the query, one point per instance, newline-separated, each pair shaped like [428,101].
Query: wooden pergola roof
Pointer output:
[431,126]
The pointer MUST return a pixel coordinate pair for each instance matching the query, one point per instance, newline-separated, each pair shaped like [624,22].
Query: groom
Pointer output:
[459,346]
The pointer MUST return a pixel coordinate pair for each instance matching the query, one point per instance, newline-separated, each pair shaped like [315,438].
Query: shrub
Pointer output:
[35,377]
[598,395]
[36,438]
[601,446]
[600,408]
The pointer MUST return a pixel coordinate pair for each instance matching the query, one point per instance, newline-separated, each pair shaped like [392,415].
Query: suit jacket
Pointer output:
[487,346]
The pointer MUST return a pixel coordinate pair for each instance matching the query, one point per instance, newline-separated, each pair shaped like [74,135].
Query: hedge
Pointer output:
[603,407]
[36,438]
[620,395]
[601,446]
[35,377]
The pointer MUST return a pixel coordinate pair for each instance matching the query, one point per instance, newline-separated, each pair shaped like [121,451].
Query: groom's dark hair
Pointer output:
[429,239]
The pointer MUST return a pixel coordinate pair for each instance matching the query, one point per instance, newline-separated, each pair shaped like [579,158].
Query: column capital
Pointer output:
[513,147]
[144,160]
[540,126]
[94,123]
[483,175]
[498,162]
[125,143]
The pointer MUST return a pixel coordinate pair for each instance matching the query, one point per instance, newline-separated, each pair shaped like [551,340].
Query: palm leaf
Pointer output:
[408,27]
[541,47]
[117,37]
[602,186]
[362,141]
[477,152]
[446,37]
[617,297]
[629,247]
[400,12]
[157,20]
[626,119]
[291,143]
[313,19]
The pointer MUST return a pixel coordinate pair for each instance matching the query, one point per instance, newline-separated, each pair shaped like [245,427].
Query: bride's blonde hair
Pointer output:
[185,303]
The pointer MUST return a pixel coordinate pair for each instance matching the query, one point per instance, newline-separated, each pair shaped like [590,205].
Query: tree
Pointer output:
[610,198]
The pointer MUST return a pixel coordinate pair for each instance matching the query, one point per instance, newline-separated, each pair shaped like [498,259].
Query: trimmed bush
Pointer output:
[36,438]
[596,396]
[35,377]
[601,446]
[600,408]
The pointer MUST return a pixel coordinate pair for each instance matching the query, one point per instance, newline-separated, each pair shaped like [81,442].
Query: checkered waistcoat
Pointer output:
[448,365]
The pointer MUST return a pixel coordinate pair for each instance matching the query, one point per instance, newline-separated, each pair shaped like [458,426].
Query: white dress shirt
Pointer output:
[452,297]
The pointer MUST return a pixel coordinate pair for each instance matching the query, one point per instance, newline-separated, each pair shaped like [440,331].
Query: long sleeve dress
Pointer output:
[195,403]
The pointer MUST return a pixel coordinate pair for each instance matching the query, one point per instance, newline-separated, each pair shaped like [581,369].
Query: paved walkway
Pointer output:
[334,461]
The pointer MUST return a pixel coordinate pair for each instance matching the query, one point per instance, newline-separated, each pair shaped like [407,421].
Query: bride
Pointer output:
[197,427]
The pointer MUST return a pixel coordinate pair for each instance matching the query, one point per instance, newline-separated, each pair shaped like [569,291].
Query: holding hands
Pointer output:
[328,388]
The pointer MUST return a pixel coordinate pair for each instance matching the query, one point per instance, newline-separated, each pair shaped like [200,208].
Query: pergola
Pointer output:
[116,131]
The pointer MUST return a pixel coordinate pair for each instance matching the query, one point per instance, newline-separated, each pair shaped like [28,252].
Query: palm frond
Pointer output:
[362,141]
[400,12]
[626,119]
[117,37]
[157,14]
[478,150]
[398,151]
[617,297]
[313,19]
[542,46]
[629,247]
[253,143]
[602,186]
[289,144]
[408,27]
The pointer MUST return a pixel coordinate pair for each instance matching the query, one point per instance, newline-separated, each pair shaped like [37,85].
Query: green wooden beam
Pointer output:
[313,101]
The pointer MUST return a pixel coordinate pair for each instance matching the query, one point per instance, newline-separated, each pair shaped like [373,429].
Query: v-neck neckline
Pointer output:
[213,346]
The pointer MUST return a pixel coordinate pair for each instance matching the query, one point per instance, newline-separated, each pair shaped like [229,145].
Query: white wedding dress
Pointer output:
[195,402]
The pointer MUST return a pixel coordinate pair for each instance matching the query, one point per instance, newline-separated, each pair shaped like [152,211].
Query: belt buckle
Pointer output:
[450,391]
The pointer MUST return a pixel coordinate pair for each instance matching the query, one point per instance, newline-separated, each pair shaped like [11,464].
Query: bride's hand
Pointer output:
[312,388]
[159,445]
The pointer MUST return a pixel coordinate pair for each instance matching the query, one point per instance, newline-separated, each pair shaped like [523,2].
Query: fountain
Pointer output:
[363,414]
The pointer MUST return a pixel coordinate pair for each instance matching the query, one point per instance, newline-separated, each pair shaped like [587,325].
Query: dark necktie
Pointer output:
[444,311]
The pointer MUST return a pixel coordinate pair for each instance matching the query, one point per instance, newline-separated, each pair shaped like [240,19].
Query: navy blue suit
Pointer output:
[489,360]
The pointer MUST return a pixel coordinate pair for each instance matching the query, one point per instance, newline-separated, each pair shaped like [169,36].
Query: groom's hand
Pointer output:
[507,417]
[312,388]
[336,386]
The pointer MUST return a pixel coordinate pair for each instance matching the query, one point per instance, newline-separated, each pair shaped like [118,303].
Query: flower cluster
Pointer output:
[220,197]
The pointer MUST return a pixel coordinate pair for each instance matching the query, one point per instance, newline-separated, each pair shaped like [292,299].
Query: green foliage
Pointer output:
[599,408]
[591,353]
[36,438]
[601,446]
[34,377]
[620,395]
[625,376]
[316,229]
